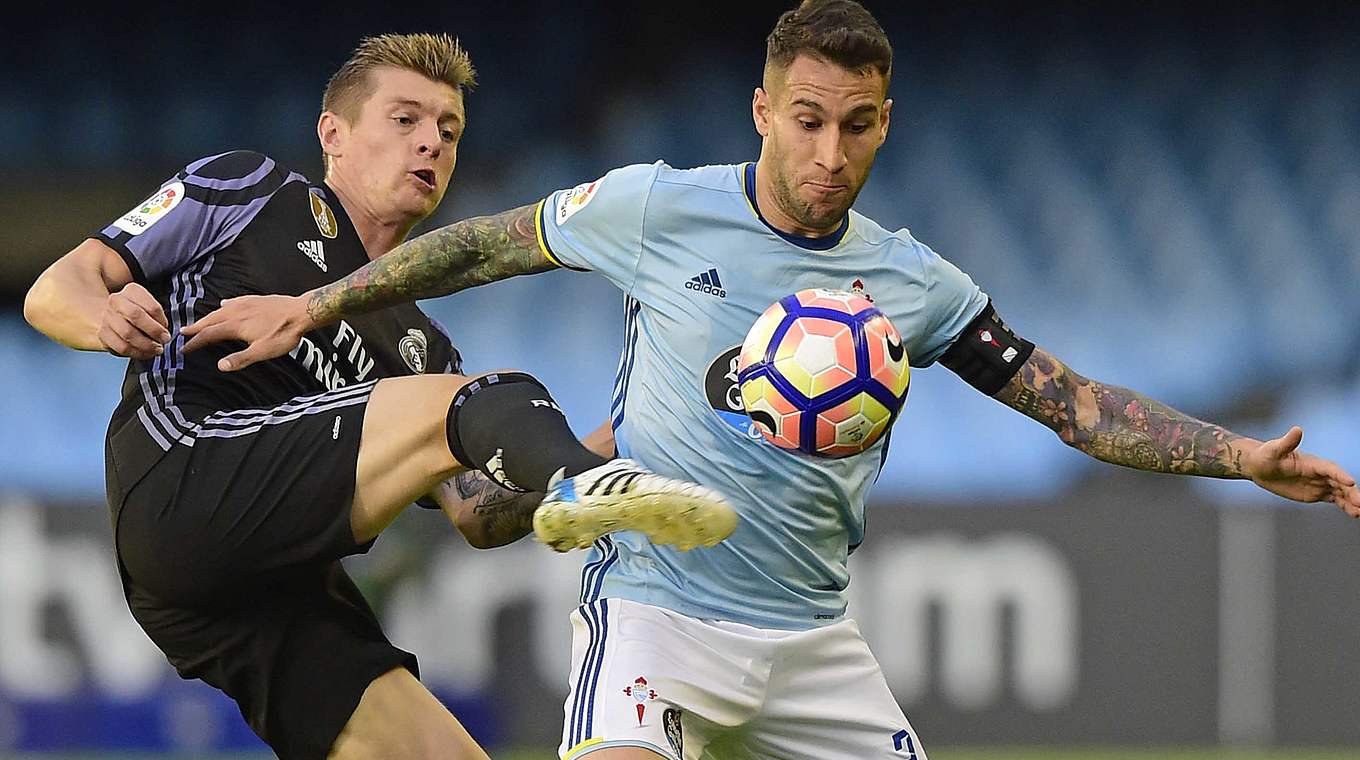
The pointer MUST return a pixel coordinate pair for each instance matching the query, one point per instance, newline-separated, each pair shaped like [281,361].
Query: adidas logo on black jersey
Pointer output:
[315,251]
[707,282]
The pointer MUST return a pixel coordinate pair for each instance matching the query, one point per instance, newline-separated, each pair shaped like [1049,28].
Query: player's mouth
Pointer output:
[825,188]
[426,178]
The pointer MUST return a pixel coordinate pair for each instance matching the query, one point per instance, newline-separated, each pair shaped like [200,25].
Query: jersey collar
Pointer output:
[824,243]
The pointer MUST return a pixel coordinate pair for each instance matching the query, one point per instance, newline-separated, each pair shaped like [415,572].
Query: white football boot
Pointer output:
[623,495]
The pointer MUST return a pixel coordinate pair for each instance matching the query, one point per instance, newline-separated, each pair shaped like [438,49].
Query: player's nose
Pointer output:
[429,143]
[830,154]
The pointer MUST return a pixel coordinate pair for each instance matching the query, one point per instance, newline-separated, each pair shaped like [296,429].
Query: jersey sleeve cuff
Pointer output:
[541,230]
[119,244]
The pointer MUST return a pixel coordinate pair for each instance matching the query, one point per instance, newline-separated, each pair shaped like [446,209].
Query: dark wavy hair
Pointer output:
[839,31]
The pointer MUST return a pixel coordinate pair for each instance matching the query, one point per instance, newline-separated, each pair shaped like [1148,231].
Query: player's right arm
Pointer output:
[595,226]
[88,300]
[95,297]
[446,260]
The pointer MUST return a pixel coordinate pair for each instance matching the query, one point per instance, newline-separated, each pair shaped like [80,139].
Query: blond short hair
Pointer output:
[437,57]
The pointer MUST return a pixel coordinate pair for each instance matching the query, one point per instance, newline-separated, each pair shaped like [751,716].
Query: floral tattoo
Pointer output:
[463,254]
[1117,425]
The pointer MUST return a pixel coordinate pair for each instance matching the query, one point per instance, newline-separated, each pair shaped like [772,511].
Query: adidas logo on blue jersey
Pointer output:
[707,282]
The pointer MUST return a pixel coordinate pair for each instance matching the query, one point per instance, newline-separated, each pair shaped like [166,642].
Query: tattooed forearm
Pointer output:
[463,254]
[498,516]
[1118,425]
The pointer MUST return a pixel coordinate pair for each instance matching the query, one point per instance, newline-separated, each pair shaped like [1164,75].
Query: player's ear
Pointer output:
[760,111]
[883,120]
[331,130]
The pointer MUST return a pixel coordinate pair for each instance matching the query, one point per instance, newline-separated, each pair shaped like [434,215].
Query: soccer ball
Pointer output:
[823,372]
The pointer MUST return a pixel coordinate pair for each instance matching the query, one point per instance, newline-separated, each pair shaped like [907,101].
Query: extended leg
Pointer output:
[418,431]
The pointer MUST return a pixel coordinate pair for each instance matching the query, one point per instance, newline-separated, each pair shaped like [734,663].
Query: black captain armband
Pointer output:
[987,354]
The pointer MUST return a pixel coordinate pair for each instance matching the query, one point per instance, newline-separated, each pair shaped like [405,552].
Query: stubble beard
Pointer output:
[804,212]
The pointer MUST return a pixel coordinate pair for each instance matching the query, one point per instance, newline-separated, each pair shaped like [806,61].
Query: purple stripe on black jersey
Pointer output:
[266,186]
[240,183]
[202,162]
[159,414]
[230,165]
[219,196]
[155,420]
[191,229]
[194,290]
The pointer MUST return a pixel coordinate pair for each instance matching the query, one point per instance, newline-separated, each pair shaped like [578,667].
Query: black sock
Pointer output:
[508,426]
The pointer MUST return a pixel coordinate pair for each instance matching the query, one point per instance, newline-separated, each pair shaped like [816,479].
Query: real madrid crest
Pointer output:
[412,350]
[325,218]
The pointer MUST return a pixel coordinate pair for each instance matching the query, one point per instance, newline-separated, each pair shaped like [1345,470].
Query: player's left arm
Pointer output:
[1124,427]
[488,515]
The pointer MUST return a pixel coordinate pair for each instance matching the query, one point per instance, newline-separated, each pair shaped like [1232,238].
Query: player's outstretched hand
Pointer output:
[1279,467]
[133,324]
[270,326]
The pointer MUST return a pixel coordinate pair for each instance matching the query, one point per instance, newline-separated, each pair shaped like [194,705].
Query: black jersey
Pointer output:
[241,224]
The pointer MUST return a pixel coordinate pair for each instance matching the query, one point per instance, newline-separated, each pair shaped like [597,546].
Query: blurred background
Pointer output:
[1165,195]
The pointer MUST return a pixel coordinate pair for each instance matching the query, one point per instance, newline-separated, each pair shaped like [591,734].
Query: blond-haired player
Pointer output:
[234,496]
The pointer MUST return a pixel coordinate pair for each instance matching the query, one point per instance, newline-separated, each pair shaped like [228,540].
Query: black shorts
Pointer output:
[229,551]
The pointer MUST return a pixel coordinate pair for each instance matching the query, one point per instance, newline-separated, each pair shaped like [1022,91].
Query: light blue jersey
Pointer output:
[697,264]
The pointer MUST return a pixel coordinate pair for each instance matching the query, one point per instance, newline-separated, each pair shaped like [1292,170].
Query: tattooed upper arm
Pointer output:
[1118,425]
[461,255]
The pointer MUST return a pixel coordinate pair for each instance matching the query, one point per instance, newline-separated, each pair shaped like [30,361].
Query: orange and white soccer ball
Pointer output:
[823,372]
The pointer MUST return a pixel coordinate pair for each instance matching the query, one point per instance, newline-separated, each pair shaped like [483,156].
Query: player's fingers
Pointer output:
[1334,479]
[148,303]
[205,335]
[213,321]
[1347,498]
[193,328]
[241,359]
[120,346]
[1350,501]
[1339,481]
[218,316]
[112,342]
[133,337]
[147,324]
[1280,447]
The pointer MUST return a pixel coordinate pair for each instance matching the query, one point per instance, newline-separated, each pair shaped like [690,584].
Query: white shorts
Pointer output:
[686,689]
